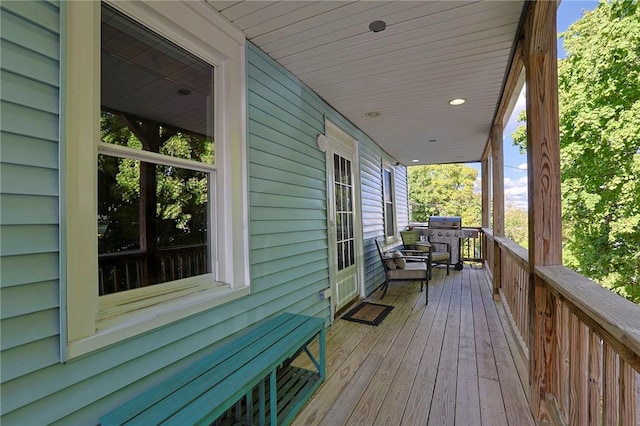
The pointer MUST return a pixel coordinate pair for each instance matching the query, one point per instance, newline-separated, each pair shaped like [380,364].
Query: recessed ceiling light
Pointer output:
[432,140]
[184,92]
[415,161]
[457,101]
[377,26]
[372,114]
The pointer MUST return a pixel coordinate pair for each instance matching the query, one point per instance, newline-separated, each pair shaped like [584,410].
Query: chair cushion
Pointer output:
[401,262]
[390,263]
[439,256]
[389,260]
[412,271]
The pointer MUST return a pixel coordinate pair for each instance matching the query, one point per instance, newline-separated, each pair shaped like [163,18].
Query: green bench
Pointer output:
[255,366]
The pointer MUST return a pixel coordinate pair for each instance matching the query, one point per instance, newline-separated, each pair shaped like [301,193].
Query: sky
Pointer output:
[515,164]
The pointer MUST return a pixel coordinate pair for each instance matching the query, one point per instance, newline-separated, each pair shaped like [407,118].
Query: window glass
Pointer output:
[147,82]
[153,215]
[389,218]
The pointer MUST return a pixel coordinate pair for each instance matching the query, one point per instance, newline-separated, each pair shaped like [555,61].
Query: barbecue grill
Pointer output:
[448,229]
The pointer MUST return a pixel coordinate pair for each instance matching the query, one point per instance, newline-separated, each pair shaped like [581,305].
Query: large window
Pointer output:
[154,216]
[153,210]
[389,203]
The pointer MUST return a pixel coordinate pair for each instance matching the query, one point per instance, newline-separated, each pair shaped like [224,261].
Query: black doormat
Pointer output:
[368,313]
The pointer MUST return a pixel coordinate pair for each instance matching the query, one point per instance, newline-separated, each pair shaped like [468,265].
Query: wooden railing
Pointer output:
[489,245]
[472,248]
[594,362]
[514,288]
[585,340]
[127,270]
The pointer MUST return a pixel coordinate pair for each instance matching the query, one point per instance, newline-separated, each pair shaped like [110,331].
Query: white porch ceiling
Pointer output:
[430,53]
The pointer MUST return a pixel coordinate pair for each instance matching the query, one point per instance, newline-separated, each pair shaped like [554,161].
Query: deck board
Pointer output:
[445,363]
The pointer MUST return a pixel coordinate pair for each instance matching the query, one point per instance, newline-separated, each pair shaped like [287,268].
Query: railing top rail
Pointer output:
[614,318]
[517,251]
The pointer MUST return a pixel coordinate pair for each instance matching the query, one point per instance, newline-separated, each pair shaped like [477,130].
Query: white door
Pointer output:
[344,218]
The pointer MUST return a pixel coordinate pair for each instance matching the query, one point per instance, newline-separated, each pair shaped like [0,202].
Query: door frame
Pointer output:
[338,139]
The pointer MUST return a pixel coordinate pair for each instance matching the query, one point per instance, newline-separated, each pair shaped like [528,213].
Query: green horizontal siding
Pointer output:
[29,189]
[372,213]
[29,64]
[28,239]
[26,209]
[19,300]
[24,329]
[24,150]
[27,180]
[27,269]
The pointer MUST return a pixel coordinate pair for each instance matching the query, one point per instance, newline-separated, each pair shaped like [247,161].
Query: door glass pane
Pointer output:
[343,190]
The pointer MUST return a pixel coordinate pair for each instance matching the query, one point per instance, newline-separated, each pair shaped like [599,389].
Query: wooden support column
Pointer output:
[497,178]
[545,222]
[485,193]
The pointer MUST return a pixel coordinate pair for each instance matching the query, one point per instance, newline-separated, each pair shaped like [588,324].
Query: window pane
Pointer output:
[386,184]
[152,223]
[352,259]
[155,91]
[388,220]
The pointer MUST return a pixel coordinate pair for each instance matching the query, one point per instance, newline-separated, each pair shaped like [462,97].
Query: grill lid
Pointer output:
[445,222]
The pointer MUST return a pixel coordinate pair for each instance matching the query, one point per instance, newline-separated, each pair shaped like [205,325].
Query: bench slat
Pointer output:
[214,402]
[229,375]
[142,402]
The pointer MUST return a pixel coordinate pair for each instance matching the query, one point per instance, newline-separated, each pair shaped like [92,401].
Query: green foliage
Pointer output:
[599,100]
[516,226]
[519,136]
[181,209]
[444,190]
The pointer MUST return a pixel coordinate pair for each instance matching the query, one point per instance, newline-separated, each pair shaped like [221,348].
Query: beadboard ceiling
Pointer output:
[429,53]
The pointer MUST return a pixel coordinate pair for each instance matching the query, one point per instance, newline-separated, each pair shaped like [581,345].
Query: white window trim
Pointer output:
[89,322]
[386,165]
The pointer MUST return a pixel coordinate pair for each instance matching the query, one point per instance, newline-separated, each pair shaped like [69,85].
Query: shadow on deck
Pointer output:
[445,363]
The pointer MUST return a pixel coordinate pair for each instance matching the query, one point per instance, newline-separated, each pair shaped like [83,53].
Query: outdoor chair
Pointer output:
[411,241]
[439,253]
[400,267]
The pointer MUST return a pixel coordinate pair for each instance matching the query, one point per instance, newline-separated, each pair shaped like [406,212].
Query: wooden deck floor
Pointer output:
[447,363]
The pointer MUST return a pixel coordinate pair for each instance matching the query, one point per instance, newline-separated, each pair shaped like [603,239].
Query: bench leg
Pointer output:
[273,397]
[322,355]
[261,400]
[249,399]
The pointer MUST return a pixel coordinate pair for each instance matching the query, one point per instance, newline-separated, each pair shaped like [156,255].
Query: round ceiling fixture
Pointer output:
[372,114]
[457,101]
[377,26]
[415,161]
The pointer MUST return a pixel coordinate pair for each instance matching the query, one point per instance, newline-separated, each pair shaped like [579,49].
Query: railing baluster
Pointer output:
[595,374]
[628,397]
[610,386]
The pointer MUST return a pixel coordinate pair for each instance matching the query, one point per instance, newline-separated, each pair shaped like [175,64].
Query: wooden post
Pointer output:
[497,178]
[545,222]
[485,193]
